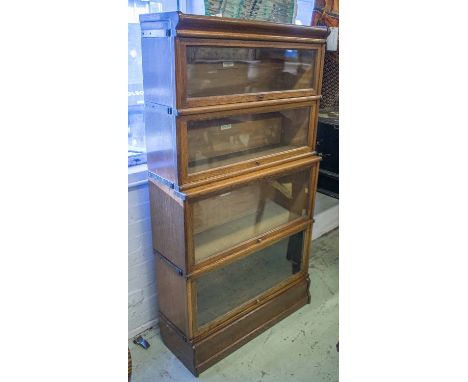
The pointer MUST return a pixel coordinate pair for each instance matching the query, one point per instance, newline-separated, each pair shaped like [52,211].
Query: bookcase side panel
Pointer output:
[158,78]
[172,295]
[167,220]
[161,142]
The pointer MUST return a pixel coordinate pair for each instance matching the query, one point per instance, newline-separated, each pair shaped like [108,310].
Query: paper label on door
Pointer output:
[228,64]
[226,127]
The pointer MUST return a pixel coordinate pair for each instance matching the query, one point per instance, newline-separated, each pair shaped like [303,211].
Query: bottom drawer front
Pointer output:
[226,288]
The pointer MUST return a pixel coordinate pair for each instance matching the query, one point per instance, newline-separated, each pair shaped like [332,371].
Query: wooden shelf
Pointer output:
[251,154]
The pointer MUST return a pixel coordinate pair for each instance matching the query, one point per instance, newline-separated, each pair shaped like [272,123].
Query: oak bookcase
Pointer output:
[231,110]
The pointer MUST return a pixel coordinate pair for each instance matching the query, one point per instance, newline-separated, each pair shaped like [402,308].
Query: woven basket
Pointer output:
[330,85]
[129,365]
[325,13]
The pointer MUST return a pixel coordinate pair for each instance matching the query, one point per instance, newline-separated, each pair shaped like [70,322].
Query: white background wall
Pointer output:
[142,294]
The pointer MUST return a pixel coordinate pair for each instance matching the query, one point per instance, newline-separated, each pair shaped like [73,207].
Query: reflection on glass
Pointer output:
[223,221]
[219,142]
[226,288]
[216,71]
[136,123]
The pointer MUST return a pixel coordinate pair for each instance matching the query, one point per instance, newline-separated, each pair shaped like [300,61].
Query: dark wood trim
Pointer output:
[314,180]
[248,165]
[314,110]
[249,37]
[247,105]
[314,187]
[306,250]
[180,85]
[191,308]
[245,167]
[321,61]
[227,26]
[227,184]
[253,108]
[248,43]
[228,100]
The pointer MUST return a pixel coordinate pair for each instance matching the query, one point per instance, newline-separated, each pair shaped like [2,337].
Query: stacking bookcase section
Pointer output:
[213,73]
[198,148]
[210,224]
[231,109]
[208,61]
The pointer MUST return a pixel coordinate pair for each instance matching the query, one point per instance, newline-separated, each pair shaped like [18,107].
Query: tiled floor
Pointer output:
[302,347]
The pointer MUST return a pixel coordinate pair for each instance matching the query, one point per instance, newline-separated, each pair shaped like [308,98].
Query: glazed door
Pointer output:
[231,288]
[223,222]
[230,141]
[224,71]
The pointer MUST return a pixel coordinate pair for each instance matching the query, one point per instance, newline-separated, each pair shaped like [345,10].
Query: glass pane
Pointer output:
[224,141]
[223,221]
[226,288]
[215,71]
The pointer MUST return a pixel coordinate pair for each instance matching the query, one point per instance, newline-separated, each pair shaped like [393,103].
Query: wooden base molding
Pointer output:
[199,356]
